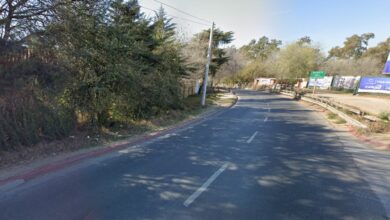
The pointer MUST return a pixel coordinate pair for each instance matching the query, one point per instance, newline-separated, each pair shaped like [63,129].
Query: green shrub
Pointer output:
[25,120]
[340,121]
[332,116]
[384,116]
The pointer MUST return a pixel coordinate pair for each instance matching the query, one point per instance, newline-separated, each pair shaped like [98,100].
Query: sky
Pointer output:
[327,22]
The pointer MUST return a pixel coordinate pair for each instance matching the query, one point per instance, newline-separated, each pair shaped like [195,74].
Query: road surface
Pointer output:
[266,158]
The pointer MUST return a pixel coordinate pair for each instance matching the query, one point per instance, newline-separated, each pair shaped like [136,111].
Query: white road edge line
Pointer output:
[205,185]
[251,138]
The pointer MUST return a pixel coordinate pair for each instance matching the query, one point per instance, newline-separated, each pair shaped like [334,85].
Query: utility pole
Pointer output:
[206,74]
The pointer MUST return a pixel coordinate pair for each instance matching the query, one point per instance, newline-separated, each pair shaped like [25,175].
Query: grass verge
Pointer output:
[335,118]
[83,140]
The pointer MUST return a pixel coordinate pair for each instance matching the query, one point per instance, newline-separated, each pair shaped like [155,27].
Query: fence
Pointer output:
[190,87]
[11,58]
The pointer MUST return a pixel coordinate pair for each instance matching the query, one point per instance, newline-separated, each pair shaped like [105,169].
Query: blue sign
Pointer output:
[375,85]
[386,70]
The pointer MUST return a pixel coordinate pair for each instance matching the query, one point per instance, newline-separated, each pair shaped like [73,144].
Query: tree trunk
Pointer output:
[8,22]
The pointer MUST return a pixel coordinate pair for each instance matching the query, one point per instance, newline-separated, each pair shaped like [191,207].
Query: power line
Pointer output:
[186,19]
[181,11]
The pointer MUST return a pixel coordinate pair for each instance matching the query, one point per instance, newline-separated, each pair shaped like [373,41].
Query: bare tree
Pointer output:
[350,67]
[194,52]
[237,61]
[18,18]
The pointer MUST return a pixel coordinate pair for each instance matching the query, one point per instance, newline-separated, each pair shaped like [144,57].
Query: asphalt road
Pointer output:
[268,158]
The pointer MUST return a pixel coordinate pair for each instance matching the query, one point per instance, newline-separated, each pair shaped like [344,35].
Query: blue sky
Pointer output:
[327,22]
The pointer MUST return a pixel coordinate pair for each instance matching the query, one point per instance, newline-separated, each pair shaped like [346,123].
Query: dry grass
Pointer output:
[83,140]
[379,127]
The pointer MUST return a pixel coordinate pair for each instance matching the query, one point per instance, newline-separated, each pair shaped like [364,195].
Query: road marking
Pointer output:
[204,187]
[266,119]
[251,138]
[269,108]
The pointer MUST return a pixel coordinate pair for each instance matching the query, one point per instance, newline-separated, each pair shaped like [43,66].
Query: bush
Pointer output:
[384,116]
[25,120]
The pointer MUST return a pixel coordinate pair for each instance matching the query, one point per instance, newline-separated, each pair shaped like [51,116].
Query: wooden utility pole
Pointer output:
[206,74]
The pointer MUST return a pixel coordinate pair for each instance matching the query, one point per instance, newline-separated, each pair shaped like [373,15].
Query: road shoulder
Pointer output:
[16,175]
[372,160]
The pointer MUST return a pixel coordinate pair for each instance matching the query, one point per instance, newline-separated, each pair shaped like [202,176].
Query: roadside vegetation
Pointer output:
[384,116]
[288,63]
[84,139]
[97,67]
[269,58]
[336,119]
[94,68]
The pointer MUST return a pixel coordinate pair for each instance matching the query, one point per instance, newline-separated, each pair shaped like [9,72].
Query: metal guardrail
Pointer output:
[334,108]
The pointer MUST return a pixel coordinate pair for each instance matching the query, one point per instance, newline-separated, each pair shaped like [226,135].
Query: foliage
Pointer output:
[354,47]
[124,65]
[384,116]
[88,65]
[379,52]
[261,49]
[25,120]
[236,63]
[367,65]
[297,60]
[220,38]
[293,61]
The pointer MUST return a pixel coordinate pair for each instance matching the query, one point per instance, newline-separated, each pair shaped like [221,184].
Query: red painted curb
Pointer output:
[367,140]
[49,168]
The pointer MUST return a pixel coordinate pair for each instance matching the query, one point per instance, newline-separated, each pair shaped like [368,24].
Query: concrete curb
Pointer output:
[17,180]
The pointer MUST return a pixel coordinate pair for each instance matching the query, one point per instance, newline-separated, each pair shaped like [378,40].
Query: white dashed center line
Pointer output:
[204,187]
[251,138]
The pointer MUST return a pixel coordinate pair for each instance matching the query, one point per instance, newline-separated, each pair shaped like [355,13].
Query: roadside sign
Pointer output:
[317,74]
[375,85]
[387,66]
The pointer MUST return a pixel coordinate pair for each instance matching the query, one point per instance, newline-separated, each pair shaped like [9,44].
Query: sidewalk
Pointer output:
[371,105]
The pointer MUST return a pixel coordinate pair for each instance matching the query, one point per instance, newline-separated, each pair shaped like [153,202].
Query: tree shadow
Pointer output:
[295,168]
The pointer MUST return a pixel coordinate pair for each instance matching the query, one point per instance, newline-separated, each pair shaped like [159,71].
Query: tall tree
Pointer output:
[261,49]
[380,51]
[297,60]
[354,47]
[304,40]
[171,66]
[220,38]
